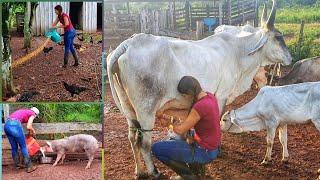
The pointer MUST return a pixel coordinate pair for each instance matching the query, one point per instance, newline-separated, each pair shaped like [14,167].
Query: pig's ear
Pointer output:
[48,143]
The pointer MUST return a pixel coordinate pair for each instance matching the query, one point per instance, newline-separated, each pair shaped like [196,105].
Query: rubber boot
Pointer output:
[198,169]
[65,60]
[181,169]
[76,58]
[17,163]
[28,163]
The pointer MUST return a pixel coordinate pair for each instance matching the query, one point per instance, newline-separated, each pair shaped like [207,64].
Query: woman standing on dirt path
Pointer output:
[14,132]
[202,145]
[69,35]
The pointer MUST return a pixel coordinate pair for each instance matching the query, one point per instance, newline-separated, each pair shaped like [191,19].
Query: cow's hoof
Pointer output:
[142,175]
[265,163]
[285,161]
[157,176]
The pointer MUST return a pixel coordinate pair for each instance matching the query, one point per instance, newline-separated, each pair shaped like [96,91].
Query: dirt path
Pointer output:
[70,170]
[241,153]
[44,74]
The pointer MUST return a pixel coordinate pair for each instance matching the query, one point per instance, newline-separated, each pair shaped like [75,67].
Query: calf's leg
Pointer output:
[284,142]
[270,139]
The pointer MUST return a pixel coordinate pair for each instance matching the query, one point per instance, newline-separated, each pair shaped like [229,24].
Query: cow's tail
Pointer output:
[112,69]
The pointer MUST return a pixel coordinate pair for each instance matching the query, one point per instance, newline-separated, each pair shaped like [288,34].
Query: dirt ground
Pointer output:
[69,170]
[43,72]
[241,153]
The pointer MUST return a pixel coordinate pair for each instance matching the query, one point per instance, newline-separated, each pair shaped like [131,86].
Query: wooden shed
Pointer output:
[86,16]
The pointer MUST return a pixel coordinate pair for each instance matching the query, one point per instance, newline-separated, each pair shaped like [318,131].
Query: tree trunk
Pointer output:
[26,29]
[7,80]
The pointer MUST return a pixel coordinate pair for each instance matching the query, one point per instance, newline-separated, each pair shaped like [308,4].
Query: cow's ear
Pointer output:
[262,41]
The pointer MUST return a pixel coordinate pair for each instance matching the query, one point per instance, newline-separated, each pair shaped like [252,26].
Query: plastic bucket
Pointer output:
[53,35]
[32,145]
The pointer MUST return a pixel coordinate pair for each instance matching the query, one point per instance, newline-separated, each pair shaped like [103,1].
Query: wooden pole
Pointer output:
[256,20]
[186,9]
[128,7]
[229,11]
[220,12]
[301,38]
[199,30]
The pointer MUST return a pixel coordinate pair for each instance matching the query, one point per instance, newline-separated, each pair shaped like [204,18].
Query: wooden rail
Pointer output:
[58,128]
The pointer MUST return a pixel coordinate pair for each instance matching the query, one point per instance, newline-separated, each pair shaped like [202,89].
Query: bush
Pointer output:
[311,44]
[66,112]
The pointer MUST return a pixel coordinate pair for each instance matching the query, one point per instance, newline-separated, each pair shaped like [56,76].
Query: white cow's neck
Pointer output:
[250,123]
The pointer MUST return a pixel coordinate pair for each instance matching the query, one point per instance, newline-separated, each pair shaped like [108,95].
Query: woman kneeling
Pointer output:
[202,127]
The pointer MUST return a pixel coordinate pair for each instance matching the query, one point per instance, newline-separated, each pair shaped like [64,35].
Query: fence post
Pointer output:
[255,23]
[300,41]
[229,11]
[220,13]
[186,9]
[199,30]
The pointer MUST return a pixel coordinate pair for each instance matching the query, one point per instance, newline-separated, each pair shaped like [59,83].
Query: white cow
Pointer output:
[275,107]
[144,72]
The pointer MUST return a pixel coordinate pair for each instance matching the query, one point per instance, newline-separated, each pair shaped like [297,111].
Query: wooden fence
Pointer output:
[180,21]
[53,128]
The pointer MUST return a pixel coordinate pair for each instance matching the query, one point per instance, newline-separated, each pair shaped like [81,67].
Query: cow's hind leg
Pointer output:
[284,142]
[270,138]
[136,147]
[146,121]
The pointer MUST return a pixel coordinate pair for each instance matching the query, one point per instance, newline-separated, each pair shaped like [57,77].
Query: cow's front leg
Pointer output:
[270,137]
[284,141]
[136,153]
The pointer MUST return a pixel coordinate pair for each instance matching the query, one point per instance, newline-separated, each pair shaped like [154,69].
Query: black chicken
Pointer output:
[80,38]
[73,89]
[77,46]
[47,50]
[26,96]
[91,40]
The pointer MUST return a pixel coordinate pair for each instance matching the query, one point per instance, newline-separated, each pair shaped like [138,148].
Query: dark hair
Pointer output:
[189,85]
[58,8]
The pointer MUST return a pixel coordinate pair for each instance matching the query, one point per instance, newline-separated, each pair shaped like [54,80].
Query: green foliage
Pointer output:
[296,14]
[66,112]
[311,43]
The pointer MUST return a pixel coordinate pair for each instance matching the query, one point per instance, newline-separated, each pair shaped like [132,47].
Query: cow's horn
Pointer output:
[272,17]
[264,15]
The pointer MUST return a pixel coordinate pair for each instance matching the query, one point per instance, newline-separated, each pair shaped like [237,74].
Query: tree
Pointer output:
[26,29]
[7,79]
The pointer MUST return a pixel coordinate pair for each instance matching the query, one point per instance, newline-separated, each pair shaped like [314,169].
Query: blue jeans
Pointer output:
[181,151]
[15,134]
[68,41]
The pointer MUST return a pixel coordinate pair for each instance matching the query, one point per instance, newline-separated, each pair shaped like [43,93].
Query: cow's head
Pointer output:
[227,123]
[272,42]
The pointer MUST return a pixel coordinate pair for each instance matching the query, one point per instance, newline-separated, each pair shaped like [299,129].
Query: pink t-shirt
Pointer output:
[207,130]
[22,115]
[61,20]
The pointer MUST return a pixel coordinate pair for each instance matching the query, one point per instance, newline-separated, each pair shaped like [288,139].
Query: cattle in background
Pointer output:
[275,107]
[144,72]
[306,70]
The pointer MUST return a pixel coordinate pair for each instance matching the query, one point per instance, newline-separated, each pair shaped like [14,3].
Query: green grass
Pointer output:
[310,14]
[311,44]
[69,112]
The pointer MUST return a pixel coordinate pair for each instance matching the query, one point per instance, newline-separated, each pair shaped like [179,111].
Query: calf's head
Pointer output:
[272,42]
[227,123]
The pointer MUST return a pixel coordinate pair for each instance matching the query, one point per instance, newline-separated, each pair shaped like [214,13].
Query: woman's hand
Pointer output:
[164,120]
[32,132]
